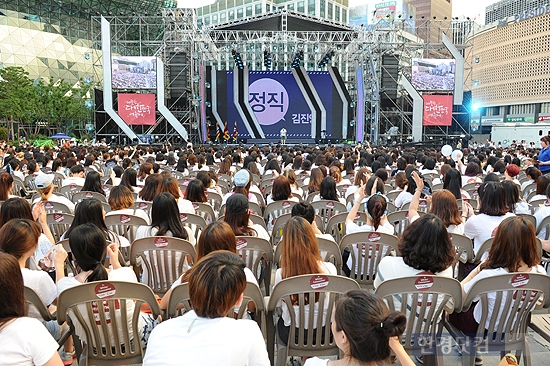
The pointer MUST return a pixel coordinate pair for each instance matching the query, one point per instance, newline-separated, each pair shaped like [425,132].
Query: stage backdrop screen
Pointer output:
[433,74]
[277,102]
[137,109]
[438,110]
[134,72]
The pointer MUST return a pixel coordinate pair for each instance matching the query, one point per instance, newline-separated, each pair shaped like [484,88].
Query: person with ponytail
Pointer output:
[365,331]
[89,249]
[6,185]
[23,340]
[376,208]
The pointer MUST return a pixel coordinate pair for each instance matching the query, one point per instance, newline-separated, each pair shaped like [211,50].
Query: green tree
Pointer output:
[17,96]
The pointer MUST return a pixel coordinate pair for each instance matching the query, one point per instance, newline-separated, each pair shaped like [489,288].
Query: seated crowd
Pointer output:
[214,198]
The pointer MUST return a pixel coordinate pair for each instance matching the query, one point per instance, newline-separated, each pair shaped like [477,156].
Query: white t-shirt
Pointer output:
[121,274]
[403,198]
[480,227]
[491,296]
[293,199]
[43,285]
[540,215]
[452,229]
[186,206]
[73,180]
[131,211]
[251,197]
[193,340]
[316,361]
[25,341]
[326,268]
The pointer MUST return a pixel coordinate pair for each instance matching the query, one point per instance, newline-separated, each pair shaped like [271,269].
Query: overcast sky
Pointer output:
[470,8]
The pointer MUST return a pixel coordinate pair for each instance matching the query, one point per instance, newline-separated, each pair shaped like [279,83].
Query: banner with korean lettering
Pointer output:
[438,110]
[137,109]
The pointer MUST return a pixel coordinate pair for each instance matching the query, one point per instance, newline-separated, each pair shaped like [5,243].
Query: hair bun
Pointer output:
[394,324]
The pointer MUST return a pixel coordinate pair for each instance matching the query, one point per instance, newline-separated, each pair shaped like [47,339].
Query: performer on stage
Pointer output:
[282,133]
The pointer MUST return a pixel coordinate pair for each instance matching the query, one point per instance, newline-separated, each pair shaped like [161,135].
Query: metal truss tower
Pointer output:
[363,55]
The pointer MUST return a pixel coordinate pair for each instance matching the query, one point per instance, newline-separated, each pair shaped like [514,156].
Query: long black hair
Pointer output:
[165,216]
[89,248]
[93,183]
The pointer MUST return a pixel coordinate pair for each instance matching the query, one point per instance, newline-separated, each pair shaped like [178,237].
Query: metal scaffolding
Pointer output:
[187,50]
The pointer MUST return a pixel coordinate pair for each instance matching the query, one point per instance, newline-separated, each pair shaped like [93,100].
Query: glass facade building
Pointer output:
[223,11]
[51,38]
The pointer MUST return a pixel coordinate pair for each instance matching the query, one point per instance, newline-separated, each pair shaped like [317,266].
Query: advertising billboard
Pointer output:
[438,110]
[134,72]
[433,74]
[137,109]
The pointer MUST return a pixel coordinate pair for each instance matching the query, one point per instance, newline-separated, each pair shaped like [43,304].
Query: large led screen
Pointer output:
[433,74]
[277,101]
[134,72]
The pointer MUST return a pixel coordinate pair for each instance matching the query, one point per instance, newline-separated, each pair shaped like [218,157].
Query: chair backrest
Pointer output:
[70,190]
[79,196]
[206,211]
[125,225]
[179,302]
[515,295]
[423,299]
[535,205]
[311,196]
[163,260]
[530,218]
[486,246]
[194,222]
[399,219]
[59,223]
[528,189]
[276,209]
[464,248]
[143,205]
[32,298]
[330,252]
[215,200]
[342,190]
[545,224]
[51,207]
[336,226]
[423,206]
[367,250]
[253,250]
[437,187]
[29,182]
[325,209]
[393,195]
[260,198]
[327,289]
[58,179]
[277,229]
[111,334]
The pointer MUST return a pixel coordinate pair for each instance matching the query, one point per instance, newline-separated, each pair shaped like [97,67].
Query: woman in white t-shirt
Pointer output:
[514,249]
[299,255]
[19,237]
[425,248]
[217,235]
[171,186]
[89,249]
[165,220]
[281,191]
[237,215]
[121,200]
[23,340]
[356,323]
[443,205]
[492,211]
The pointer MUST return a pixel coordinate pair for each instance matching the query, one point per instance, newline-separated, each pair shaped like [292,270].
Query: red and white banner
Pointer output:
[438,110]
[137,109]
